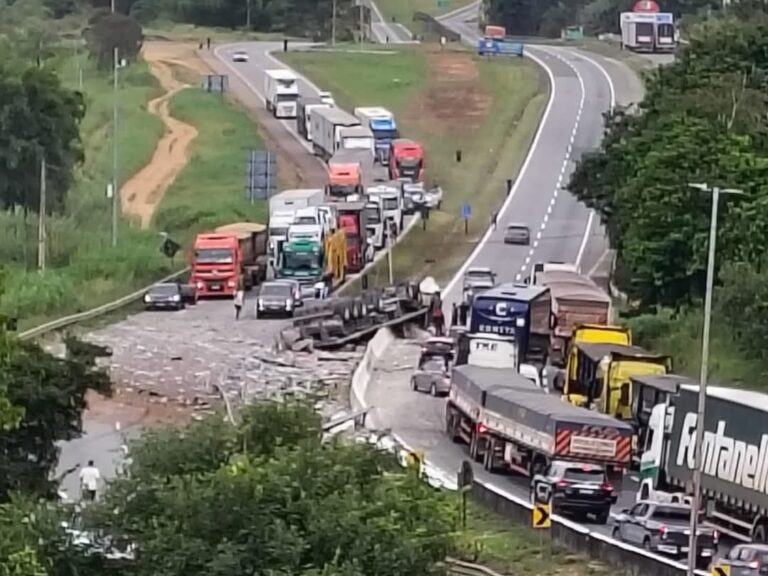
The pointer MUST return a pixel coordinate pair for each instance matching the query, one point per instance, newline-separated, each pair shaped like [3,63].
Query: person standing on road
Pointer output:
[495,219]
[208,42]
[454,314]
[463,308]
[239,301]
[89,481]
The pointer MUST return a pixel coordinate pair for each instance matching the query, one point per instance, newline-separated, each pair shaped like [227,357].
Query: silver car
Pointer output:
[432,377]
[517,234]
[275,298]
[240,56]
[746,560]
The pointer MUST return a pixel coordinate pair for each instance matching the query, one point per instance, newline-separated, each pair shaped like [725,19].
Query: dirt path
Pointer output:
[143,191]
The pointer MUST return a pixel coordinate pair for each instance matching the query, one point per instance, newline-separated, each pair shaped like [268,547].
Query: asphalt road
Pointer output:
[386,32]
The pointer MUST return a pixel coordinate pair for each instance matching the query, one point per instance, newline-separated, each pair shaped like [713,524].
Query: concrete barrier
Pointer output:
[362,374]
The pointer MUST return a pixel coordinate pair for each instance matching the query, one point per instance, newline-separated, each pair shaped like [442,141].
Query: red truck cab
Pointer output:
[351,220]
[216,264]
[406,160]
[344,179]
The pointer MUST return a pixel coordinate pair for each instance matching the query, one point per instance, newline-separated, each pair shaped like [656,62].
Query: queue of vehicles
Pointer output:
[611,404]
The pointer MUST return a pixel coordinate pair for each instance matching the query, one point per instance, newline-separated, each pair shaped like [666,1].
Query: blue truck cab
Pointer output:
[515,311]
[493,47]
[384,127]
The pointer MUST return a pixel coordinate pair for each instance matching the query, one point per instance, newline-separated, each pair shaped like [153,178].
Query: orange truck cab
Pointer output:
[344,179]
[406,160]
[216,264]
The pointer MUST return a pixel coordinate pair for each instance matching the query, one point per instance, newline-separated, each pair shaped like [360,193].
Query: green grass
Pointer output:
[210,191]
[168,30]
[84,270]
[513,96]
[510,548]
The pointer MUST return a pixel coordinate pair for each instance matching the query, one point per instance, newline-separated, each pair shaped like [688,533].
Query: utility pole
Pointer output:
[333,25]
[362,34]
[112,6]
[115,190]
[704,374]
[41,236]
[390,246]
[247,14]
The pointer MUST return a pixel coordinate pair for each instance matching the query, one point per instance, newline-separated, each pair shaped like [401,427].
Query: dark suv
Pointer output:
[575,488]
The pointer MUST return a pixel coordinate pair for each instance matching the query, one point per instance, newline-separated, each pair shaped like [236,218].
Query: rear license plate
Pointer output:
[586,491]
[215,286]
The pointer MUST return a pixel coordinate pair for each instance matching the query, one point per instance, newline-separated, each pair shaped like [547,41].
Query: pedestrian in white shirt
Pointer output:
[89,481]
[239,301]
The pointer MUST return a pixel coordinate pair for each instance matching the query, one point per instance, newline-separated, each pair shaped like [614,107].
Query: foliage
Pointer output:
[109,31]
[38,119]
[269,497]
[703,120]
[51,392]
[549,17]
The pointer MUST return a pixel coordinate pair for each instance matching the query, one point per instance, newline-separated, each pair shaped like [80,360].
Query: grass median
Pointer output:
[449,100]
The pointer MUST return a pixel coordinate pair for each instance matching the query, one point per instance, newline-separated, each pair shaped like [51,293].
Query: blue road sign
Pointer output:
[466,211]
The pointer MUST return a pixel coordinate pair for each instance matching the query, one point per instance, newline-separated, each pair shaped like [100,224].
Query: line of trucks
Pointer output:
[319,234]
[350,144]
[612,403]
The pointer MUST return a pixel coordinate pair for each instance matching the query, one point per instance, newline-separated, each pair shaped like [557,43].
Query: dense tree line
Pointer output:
[549,17]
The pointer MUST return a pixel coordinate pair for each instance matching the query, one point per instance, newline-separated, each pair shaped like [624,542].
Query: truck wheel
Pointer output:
[475,451]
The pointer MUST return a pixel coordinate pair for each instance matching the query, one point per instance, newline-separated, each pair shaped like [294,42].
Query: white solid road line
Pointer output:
[520,175]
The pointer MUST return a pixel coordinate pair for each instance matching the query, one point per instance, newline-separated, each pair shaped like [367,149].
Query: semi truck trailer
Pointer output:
[327,124]
[734,457]
[281,91]
[382,123]
[510,423]
[304,109]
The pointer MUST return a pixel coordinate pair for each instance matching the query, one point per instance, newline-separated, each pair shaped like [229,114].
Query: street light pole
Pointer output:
[115,190]
[333,24]
[41,236]
[704,374]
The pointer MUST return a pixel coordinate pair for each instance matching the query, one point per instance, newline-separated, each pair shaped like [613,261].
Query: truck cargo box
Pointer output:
[735,447]
[475,381]
[556,427]
[575,300]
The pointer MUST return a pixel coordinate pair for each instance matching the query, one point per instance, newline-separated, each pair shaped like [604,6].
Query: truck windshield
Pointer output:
[301,260]
[644,29]
[287,97]
[305,220]
[386,134]
[213,256]
[390,203]
[373,217]
[409,163]
[665,31]
[278,232]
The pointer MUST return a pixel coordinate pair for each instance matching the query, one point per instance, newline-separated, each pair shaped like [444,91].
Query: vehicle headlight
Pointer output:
[176,298]
[261,303]
[147,298]
[231,283]
[288,302]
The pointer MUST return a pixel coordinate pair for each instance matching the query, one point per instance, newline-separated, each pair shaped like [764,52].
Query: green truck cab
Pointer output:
[302,260]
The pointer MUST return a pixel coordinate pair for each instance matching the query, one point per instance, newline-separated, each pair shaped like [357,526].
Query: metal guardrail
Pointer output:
[92,313]
[461,568]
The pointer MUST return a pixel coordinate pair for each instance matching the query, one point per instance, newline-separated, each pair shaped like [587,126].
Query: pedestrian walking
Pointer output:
[463,308]
[438,320]
[239,301]
[495,219]
[454,314]
[89,481]
[208,42]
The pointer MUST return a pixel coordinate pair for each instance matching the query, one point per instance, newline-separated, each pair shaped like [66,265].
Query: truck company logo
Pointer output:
[480,346]
[501,309]
[496,329]
[725,458]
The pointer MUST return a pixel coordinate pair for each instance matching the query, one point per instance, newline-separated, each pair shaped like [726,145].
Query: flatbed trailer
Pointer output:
[510,423]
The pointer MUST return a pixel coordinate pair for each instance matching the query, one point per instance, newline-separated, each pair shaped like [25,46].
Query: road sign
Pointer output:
[466,211]
[215,83]
[721,570]
[540,516]
[261,182]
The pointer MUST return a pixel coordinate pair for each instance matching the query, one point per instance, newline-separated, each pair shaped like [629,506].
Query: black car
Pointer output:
[575,488]
[164,297]
[664,528]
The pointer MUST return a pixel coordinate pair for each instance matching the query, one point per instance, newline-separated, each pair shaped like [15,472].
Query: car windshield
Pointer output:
[673,514]
[302,260]
[278,232]
[283,290]
[305,220]
[164,289]
[580,475]
[516,228]
[213,255]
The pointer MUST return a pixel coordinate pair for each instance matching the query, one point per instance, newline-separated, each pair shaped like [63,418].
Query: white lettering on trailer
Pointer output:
[591,446]
[496,329]
[725,458]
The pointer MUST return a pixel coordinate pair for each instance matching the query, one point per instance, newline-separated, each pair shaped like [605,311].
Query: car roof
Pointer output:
[516,225]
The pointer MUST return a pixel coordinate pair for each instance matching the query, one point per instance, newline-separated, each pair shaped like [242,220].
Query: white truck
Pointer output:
[734,455]
[357,138]
[374,225]
[327,124]
[281,92]
[382,123]
[313,216]
[638,31]
[389,197]
[282,209]
[306,104]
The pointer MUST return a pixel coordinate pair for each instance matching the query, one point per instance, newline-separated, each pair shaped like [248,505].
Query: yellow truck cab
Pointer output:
[599,375]
[588,333]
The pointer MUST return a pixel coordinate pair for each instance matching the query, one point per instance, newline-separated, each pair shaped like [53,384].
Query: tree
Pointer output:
[51,392]
[38,118]
[108,31]
[704,119]
[270,497]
